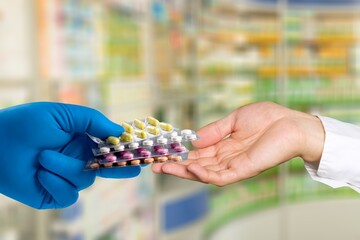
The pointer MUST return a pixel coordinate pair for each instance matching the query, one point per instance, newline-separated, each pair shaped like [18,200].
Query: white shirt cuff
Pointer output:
[340,161]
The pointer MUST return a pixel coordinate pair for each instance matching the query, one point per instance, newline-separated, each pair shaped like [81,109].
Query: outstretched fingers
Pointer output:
[215,131]
[202,153]
[206,170]
[194,156]
[175,169]
[219,177]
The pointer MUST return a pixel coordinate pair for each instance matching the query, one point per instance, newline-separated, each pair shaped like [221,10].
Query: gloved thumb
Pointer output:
[80,119]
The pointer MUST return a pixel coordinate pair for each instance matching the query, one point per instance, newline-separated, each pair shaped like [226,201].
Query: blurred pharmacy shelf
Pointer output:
[304,58]
[184,62]
[98,54]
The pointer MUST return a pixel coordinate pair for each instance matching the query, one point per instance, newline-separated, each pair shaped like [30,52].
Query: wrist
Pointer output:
[312,142]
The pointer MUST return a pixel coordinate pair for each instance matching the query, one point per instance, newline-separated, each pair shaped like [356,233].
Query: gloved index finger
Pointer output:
[74,118]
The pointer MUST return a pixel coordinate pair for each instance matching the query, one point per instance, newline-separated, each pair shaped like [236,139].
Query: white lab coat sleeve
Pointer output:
[340,161]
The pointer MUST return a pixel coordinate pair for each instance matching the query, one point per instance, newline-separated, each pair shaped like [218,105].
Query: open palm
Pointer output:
[248,141]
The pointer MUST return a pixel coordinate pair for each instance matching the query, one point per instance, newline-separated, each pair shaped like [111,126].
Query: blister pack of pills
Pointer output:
[144,141]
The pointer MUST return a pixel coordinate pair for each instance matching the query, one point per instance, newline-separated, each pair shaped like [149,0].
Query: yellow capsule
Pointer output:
[112,140]
[152,121]
[126,137]
[127,127]
[140,134]
[153,130]
[166,126]
[139,124]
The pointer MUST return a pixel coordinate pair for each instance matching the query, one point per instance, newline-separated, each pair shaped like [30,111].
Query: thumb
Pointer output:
[74,118]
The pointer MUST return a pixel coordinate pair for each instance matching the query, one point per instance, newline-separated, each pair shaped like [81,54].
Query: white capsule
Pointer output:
[190,137]
[177,139]
[186,132]
[173,134]
[133,145]
[148,143]
[119,147]
[162,140]
[104,150]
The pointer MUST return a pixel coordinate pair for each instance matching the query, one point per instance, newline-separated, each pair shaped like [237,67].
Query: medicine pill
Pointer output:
[186,132]
[177,139]
[133,145]
[135,162]
[174,145]
[104,149]
[126,137]
[119,148]
[140,149]
[173,134]
[148,143]
[127,127]
[162,151]
[108,164]
[95,165]
[152,121]
[139,124]
[110,157]
[128,155]
[166,126]
[179,148]
[161,159]
[162,140]
[190,137]
[123,163]
[148,160]
[152,130]
[141,134]
[175,158]
[145,153]
[157,147]
[112,140]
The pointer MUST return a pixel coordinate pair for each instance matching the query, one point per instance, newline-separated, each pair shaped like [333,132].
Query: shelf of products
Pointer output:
[305,59]
[88,53]
[185,62]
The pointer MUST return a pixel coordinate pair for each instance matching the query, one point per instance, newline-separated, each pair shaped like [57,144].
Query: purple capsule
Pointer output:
[174,145]
[179,148]
[139,150]
[127,155]
[162,151]
[110,157]
[145,153]
[157,147]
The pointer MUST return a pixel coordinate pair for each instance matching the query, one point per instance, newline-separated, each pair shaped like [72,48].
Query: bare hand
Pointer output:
[248,141]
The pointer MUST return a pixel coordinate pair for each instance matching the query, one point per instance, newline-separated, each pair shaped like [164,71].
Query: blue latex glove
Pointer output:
[44,149]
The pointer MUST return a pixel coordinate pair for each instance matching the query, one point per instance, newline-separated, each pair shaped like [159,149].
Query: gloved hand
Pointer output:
[44,149]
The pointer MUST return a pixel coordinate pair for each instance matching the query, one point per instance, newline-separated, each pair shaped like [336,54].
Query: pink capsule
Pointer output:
[110,157]
[127,155]
[157,147]
[174,145]
[139,150]
[145,153]
[179,148]
[162,151]
[124,152]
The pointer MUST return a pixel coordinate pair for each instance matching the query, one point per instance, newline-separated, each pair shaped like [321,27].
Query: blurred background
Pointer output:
[187,62]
